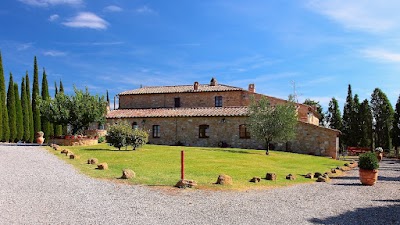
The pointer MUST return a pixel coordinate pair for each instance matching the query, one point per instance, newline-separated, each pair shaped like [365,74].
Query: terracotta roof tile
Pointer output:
[177,112]
[180,89]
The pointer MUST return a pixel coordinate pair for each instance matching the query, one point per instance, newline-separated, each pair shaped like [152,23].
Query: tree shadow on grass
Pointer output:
[107,150]
[227,150]
[371,215]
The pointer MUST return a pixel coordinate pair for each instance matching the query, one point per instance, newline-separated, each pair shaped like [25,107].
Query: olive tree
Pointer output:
[78,110]
[269,123]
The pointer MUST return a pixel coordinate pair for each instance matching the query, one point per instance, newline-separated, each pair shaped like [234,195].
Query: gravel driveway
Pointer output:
[38,188]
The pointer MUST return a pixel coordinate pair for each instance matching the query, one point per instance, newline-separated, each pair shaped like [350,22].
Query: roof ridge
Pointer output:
[181,89]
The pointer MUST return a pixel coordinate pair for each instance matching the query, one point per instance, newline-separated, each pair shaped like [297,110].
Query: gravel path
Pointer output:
[38,188]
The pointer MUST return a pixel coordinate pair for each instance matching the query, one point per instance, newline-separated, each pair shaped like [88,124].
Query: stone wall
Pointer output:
[310,139]
[74,141]
[314,140]
[95,133]
[207,99]
[185,130]
[187,100]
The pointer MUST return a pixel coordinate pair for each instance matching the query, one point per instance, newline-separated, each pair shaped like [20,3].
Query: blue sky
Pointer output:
[118,45]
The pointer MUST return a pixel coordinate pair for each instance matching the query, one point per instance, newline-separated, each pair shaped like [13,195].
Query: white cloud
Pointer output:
[113,8]
[54,53]
[87,20]
[54,17]
[369,16]
[145,10]
[46,3]
[24,46]
[381,55]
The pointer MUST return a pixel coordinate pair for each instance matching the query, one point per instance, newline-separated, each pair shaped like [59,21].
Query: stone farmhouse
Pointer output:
[214,115]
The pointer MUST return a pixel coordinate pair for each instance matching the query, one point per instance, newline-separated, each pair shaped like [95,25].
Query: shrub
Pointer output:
[101,139]
[137,138]
[121,134]
[368,161]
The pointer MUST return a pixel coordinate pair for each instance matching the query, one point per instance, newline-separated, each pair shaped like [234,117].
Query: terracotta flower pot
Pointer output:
[40,140]
[368,177]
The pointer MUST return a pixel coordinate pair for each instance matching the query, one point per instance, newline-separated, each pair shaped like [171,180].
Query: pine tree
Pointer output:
[11,110]
[46,127]
[382,113]
[25,112]
[4,126]
[28,97]
[35,94]
[365,116]
[396,128]
[19,116]
[334,118]
[348,120]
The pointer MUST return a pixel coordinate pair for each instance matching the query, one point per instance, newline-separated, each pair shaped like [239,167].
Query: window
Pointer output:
[156,131]
[134,125]
[203,131]
[177,102]
[243,132]
[218,101]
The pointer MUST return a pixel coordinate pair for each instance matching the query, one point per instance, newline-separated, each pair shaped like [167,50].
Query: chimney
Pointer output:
[252,88]
[196,86]
[213,82]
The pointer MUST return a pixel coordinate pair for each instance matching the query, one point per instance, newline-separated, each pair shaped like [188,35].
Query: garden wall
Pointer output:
[74,141]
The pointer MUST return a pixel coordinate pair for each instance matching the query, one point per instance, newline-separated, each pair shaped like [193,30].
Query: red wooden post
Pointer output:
[182,165]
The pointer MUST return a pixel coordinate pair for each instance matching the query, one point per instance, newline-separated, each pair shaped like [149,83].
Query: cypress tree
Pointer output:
[61,87]
[108,99]
[58,131]
[4,126]
[19,116]
[64,127]
[25,112]
[396,128]
[365,116]
[348,124]
[356,122]
[382,113]
[35,94]
[1,105]
[334,118]
[28,97]
[56,89]
[11,110]
[46,127]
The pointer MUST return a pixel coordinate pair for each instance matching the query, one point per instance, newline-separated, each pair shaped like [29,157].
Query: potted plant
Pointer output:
[368,164]
[39,137]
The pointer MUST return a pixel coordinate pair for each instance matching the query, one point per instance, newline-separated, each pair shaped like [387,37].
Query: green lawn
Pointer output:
[158,165]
